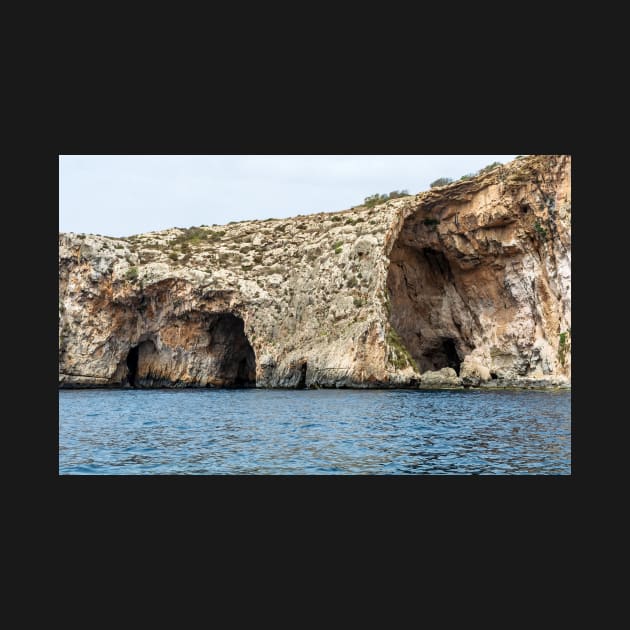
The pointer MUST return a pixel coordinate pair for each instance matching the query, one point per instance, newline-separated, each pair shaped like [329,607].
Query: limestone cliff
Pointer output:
[467,284]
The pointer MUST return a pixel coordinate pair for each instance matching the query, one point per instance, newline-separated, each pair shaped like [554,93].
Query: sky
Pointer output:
[121,195]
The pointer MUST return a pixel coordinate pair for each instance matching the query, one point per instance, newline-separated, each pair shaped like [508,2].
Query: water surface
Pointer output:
[256,431]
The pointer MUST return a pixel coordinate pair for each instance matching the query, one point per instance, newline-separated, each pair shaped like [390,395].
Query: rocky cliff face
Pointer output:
[464,285]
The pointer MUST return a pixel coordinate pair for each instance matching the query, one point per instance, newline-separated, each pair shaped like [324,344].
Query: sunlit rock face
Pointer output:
[464,285]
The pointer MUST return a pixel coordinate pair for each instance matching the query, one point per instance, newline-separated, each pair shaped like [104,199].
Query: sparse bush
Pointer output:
[132,274]
[467,176]
[374,200]
[399,356]
[352,282]
[540,230]
[173,256]
[442,181]
[564,346]
[490,167]
[336,219]
[358,302]
[396,194]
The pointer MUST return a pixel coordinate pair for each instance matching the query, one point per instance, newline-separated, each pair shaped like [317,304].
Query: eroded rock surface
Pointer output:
[464,285]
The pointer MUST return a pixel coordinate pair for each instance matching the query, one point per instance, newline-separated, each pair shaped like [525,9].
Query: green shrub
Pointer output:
[564,346]
[173,256]
[540,230]
[132,274]
[190,236]
[442,181]
[467,176]
[352,282]
[490,167]
[374,200]
[358,302]
[396,194]
[399,356]
[336,219]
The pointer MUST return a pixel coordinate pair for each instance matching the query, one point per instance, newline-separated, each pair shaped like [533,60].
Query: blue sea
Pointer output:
[314,432]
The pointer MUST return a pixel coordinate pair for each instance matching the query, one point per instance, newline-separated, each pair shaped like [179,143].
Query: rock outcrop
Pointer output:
[464,285]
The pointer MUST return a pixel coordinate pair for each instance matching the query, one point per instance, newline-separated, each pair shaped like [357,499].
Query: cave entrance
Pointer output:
[132,366]
[302,380]
[428,306]
[233,358]
[138,363]
[443,354]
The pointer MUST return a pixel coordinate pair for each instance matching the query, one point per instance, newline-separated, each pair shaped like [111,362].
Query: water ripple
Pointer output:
[323,432]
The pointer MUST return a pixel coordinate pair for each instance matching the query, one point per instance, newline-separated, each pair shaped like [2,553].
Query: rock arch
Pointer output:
[206,350]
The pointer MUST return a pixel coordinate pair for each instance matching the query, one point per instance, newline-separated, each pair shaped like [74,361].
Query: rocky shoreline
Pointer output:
[463,286]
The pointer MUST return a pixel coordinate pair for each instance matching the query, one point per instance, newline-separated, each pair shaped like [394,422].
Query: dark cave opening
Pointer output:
[302,381]
[450,352]
[427,300]
[439,353]
[137,363]
[132,365]
[214,352]
[234,357]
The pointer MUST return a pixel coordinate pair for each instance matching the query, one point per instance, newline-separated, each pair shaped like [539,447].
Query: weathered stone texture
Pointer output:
[468,284]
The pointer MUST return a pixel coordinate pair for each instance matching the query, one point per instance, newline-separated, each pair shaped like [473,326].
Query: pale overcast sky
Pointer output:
[121,195]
